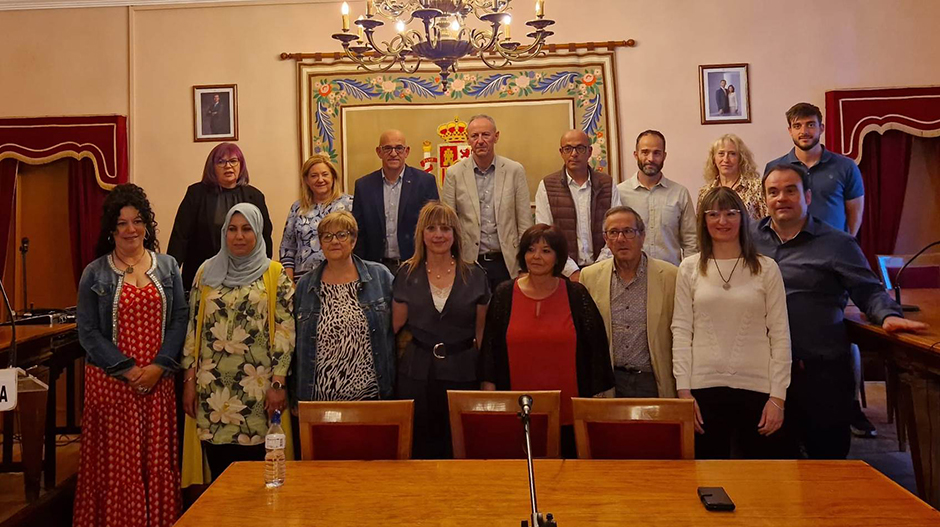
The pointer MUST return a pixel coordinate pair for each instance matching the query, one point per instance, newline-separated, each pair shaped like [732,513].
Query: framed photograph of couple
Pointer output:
[215,112]
[724,93]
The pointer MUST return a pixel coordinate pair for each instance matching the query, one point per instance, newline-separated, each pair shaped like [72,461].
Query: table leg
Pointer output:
[70,395]
[922,406]
[49,461]
[8,426]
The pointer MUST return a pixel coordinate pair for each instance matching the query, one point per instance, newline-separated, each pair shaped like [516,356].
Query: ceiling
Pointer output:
[16,5]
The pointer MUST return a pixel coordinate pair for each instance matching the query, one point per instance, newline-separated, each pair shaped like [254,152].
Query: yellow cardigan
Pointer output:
[660,296]
[192,446]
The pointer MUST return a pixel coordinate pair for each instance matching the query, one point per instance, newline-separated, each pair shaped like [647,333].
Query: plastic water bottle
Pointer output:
[274,460]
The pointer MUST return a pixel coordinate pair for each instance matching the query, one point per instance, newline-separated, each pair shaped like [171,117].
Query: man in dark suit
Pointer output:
[386,204]
[721,97]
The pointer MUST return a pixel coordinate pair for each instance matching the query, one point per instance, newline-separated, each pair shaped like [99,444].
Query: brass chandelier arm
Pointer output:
[548,48]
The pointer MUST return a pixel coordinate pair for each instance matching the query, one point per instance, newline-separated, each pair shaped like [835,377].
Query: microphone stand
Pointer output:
[24,248]
[525,403]
[897,279]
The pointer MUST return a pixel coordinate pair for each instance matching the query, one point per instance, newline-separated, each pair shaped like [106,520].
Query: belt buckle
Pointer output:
[439,346]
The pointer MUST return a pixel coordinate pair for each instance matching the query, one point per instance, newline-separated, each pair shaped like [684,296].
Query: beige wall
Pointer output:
[76,62]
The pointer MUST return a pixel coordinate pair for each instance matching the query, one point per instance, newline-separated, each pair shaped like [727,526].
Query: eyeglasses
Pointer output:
[580,149]
[341,236]
[730,214]
[399,149]
[227,162]
[628,233]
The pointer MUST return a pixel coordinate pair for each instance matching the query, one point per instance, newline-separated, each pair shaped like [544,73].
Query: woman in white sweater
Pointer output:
[731,338]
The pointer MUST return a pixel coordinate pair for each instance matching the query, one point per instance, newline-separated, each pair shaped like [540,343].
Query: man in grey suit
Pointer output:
[491,196]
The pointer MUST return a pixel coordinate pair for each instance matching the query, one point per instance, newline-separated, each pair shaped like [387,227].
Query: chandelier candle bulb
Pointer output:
[370,8]
[345,11]
[506,33]
[539,8]
[400,26]
[362,35]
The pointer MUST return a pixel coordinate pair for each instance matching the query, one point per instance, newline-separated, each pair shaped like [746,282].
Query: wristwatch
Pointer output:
[277,385]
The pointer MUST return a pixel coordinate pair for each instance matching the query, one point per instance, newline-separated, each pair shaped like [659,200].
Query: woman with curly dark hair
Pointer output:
[195,236]
[131,322]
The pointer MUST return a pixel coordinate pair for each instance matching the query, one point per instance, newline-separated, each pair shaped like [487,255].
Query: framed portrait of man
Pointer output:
[215,113]
[724,93]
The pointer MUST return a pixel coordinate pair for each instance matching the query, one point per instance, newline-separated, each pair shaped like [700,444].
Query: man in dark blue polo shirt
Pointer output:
[822,267]
[838,191]
[838,199]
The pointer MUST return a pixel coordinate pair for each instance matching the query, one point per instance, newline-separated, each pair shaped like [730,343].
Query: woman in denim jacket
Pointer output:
[345,347]
[131,323]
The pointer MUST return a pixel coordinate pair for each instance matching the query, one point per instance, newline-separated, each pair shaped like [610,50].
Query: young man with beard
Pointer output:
[838,199]
[664,205]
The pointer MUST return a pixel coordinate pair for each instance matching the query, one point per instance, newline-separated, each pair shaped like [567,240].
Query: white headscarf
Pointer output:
[238,271]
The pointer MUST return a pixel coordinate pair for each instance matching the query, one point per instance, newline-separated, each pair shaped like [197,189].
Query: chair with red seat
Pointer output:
[485,424]
[634,428]
[355,430]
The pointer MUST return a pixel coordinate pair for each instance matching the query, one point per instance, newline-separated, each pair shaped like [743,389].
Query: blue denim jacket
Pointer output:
[98,293]
[375,298]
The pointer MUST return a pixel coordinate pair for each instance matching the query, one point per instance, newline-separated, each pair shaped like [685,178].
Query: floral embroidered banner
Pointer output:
[344,110]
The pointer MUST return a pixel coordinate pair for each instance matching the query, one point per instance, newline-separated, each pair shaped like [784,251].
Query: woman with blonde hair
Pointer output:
[442,301]
[321,193]
[730,163]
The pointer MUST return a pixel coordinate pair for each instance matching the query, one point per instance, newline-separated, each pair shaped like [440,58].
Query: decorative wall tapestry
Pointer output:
[343,111]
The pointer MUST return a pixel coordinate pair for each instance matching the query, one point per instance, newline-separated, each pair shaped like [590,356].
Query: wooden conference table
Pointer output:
[578,492]
[914,366]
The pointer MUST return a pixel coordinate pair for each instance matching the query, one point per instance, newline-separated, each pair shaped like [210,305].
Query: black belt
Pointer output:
[629,370]
[392,261]
[440,349]
[491,257]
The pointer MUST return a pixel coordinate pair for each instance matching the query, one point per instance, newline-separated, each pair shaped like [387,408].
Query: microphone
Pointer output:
[525,404]
[897,279]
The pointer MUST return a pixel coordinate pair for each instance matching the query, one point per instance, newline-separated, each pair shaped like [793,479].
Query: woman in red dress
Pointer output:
[543,332]
[131,322]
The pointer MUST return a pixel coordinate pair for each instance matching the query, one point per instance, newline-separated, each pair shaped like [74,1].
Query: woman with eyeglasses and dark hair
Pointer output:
[345,347]
[544,332]
[731,337]
[201,214]
[131,317]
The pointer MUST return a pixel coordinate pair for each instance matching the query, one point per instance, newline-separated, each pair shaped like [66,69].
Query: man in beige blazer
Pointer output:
[635,295]
[491,196]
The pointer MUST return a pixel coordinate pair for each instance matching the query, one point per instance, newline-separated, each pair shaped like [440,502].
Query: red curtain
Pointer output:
[886,160]
[7,201]
[86,198]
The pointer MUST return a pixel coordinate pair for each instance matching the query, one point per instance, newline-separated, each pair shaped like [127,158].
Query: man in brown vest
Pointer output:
[575,199]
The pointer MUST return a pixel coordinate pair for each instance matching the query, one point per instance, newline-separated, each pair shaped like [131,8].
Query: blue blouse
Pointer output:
[300,245]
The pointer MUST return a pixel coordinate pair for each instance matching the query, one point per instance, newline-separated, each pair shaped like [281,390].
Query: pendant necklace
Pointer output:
[449,269]
[726,286]
[129,268]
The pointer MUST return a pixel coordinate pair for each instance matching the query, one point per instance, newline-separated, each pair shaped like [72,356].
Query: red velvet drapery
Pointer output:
[86,198]
[886,160]
[7,194]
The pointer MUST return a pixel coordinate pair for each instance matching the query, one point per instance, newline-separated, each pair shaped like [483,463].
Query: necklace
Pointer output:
[129,268]
[448,271]
[726,286]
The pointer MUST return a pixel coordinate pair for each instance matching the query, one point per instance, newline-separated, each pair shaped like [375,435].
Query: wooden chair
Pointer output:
[634,428]
[485,424]
[355,430]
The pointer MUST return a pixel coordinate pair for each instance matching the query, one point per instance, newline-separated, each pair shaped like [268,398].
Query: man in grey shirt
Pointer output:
[665,206]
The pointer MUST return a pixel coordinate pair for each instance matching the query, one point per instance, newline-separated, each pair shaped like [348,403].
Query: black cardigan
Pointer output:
[592,357]
[195,239]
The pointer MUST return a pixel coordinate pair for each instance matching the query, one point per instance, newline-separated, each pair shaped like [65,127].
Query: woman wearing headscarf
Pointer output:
[239,345]
[195,236]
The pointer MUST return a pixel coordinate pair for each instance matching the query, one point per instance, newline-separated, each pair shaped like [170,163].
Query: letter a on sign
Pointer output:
[7,389]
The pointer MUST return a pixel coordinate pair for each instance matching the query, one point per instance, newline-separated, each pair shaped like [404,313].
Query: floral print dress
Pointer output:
[300,247]
[236,359]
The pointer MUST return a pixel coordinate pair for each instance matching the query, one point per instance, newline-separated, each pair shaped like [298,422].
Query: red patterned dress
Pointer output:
[128,474]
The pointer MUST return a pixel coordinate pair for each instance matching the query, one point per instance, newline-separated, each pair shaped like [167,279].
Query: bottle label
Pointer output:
[275,441]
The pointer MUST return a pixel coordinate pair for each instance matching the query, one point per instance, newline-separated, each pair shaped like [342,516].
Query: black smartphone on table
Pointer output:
[715,499]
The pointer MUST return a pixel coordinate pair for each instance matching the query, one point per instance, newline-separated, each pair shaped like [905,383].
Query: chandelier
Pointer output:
[443,35]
